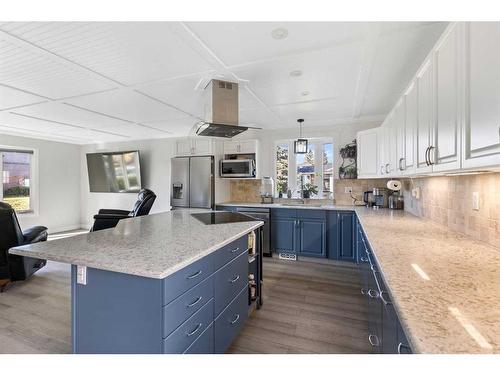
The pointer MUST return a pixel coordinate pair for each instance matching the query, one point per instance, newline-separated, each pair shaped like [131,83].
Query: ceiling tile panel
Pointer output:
[128,105]
[243,42]
[128,52]
[10,98]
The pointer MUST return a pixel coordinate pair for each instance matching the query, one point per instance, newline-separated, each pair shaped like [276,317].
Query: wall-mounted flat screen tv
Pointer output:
[114,172]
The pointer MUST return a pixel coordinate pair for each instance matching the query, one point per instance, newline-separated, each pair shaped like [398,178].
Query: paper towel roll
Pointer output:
[394,185]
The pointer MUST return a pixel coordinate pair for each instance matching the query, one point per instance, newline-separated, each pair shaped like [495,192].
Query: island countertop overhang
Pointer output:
[153,246]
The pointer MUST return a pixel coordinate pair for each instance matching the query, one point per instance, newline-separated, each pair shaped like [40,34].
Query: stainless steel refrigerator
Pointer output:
[192,182]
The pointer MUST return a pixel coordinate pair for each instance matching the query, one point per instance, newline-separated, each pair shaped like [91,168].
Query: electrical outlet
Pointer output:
[348,190]
[81,275]
[475,200]
[416,193]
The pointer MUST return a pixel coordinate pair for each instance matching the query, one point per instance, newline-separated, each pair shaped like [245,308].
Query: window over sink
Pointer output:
[313,169]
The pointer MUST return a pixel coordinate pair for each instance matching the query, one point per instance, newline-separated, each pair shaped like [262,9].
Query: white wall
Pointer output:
[155,173]
[57,181]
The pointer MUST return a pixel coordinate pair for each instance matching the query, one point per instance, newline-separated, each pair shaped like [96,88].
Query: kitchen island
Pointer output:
[163,283]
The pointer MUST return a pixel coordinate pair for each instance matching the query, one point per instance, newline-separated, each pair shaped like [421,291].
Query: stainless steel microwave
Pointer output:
[237,168]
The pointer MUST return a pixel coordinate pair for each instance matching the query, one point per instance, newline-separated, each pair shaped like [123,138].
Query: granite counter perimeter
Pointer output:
[153,246]
[445,286]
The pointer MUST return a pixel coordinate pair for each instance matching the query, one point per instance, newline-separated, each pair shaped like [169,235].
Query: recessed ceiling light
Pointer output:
[279,33]
[296,73]
[304,93]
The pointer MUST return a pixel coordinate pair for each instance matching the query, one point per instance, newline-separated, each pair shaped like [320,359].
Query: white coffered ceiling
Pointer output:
[89,82]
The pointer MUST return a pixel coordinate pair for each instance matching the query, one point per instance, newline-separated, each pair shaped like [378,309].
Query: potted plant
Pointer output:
[308,190]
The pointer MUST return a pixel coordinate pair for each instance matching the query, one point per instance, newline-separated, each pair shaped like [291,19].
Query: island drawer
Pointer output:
[230,321]
[203,344]
[181,308]
[184,279]
[179,340]
[229,280]
[230,251]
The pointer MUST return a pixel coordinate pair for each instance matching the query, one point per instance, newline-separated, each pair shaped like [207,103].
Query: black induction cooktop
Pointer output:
[222,217]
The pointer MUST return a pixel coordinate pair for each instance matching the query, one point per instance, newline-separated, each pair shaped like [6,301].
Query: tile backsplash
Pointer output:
[359,186]
[249,190]
[447,200]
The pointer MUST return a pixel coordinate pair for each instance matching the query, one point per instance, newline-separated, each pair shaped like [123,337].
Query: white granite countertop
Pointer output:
[151,246]
[445,286]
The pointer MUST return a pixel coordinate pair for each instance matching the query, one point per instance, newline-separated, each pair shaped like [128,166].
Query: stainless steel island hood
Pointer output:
[221,111]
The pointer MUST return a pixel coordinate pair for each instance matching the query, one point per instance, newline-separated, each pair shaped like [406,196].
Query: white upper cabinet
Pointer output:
[398,151]
[425,119]
[194,146]
[240,147]
[448,119]
[482,95]
[444,153]
[367,155]
[407,158]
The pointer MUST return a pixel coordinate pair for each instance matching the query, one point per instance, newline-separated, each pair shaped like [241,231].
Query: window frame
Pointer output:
[292,165]
[34,188]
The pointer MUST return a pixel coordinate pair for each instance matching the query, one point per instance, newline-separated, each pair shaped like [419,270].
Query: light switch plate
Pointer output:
[475,200]
[81,275]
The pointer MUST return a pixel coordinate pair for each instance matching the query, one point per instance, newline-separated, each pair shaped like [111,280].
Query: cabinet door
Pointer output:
[202,146]
[367,153]
[425,119]
[407,163]
[446,147]
[482,121]
[230,147]
[284,235]
[347,248]
[381,146]
[312,236]
[248,147]
[399,132]
[184,147]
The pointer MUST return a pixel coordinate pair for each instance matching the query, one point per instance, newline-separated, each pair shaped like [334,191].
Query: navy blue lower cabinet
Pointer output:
[284,234]
[342,235]
[312,237]
[203,344]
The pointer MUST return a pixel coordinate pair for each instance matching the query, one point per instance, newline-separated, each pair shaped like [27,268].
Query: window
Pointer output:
[16,170]
[314,169]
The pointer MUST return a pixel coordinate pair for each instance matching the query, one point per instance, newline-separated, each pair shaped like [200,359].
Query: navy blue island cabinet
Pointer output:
[198,309]
[299,231]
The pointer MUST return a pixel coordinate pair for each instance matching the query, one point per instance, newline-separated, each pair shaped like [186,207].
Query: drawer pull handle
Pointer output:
[235,319]
[234,279]
[194,330]
[194,275]
[374,341]
[363,291]
[373,293]
[385,301]
[234,250]
[374,269]
[363,259]
[196,301]
[403,349]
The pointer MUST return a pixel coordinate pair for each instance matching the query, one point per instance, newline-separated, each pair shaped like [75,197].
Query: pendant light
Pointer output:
[300,145]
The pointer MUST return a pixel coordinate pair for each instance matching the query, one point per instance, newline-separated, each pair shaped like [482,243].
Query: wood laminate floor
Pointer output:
[308,308]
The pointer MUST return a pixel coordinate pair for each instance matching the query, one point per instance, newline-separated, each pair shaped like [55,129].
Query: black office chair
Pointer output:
[107,218]
[16,267]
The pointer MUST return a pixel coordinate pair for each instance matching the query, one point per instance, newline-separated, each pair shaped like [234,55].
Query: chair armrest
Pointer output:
[35,234]
[106,211]
[110,216]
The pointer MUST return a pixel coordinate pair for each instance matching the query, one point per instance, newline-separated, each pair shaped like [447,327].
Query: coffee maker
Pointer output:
[396,200]
[376,198]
